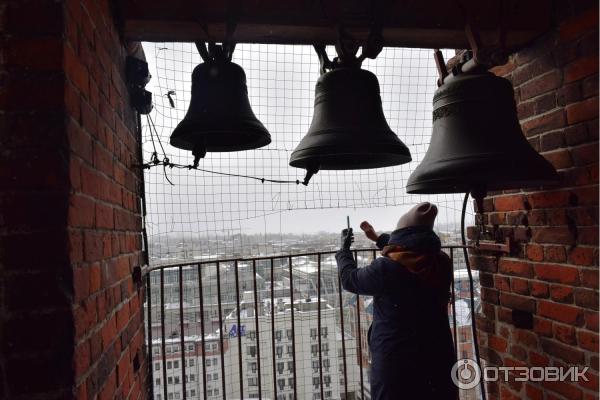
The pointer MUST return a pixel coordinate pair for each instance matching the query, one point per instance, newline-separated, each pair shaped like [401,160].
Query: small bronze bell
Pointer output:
[219,117]
[348,129]
[477,143]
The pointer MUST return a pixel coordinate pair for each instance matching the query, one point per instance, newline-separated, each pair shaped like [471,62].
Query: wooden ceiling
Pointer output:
[405,23]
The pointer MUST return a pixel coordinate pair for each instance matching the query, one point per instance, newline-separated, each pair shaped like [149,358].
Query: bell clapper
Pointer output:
[309,173]
[198,153]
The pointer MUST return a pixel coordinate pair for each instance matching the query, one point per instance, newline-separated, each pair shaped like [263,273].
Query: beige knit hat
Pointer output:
[422,214]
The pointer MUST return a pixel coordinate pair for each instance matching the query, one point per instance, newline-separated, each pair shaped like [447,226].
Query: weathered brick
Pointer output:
[561,312]
[517,302]
[580,68]
[587,298]
[582,111]
[552,235]
[541,84]
[539,289]
[561,294]
[543,123]
[557,273]
[516,268]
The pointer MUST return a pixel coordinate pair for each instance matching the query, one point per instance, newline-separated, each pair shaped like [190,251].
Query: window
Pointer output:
[324,331]
[252,366]
[316,381]
[175,364]
[207,347]
[280,366]
[176,380]
[325,347]
[214,347]
[157,381]
[279,350]
[314,349]
[252,381]
[313,333]
[193,393]
[281,383]
[176,395]
[216,392]
[156,350]
[170,380]
[327,379]
[288,333]
[251,350]
[290,366]
[191,347]
[215,376]
[170,396]
[208,361]
[290,349]
[169,365]
[315,366]
[328,394]
[192,378]
[291,383]
[209,392]
[278,335]
[191,362]
[156,366]
[251,335]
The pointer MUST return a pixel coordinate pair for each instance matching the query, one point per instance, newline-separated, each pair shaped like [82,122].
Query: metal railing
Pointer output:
[155,280]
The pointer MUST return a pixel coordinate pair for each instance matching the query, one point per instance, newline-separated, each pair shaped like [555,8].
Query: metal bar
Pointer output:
[257,329]
[182,334]
[273,332]
[454,305]
[239,325]
[201,294]
[340,288]
[150,352]
[360,355]
[293,328]
[319,324]
[162,330]
[221,348]
[225,260]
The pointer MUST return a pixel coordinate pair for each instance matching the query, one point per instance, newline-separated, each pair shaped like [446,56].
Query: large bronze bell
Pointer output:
[348,129]
[219,117]
[477,143]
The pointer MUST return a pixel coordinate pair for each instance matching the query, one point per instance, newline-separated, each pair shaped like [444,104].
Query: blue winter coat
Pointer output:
[411,345]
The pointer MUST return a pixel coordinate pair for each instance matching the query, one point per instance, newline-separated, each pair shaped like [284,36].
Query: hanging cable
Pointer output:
[471,289]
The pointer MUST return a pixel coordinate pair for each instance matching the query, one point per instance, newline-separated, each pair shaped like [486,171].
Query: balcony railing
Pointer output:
[303,324]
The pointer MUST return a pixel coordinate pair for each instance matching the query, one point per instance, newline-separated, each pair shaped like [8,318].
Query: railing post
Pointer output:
[454,305]
[273,332]
[150,347]
[340,289]
[257,329]
[359,335]
[293,328]
[239,335]
[222,347]
[181,333]
[202,332]
[162,331]
[319,323]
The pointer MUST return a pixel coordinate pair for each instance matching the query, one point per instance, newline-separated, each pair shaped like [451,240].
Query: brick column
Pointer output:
[71,323]
[552,272]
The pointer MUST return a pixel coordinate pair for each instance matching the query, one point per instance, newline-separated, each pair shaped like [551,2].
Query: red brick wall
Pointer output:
[71,323]
[552,271]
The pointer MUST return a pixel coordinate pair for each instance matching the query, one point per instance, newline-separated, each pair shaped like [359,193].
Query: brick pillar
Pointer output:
[552,272]
[71,323]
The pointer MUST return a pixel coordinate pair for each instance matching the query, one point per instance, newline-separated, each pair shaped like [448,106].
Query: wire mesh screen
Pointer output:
[188,209]
[251,328]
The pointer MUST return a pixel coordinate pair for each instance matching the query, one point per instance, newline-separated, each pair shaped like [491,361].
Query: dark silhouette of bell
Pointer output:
[219,117]
[348,129]
[477,143]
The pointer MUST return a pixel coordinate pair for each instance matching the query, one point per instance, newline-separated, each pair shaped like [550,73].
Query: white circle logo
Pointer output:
[466,374]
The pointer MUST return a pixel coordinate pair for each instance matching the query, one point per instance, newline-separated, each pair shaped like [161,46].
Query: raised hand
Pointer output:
[369,231]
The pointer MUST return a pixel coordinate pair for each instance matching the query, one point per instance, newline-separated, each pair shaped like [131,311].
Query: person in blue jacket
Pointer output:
[412,351]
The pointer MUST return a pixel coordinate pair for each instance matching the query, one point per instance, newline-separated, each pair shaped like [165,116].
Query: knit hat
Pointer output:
[422,214]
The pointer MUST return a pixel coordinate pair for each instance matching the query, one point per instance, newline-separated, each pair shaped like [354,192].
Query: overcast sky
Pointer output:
[281,83]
